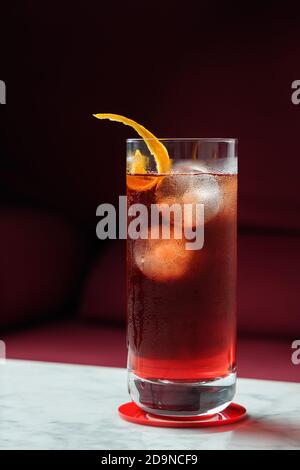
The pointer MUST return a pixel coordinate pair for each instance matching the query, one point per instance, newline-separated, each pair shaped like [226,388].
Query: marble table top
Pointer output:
[60,406]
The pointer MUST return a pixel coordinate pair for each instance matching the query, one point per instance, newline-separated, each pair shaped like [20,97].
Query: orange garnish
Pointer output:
[138,164]
[137,179]
[156,148]
[141,182]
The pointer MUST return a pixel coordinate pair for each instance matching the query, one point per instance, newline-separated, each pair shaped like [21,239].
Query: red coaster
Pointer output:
[132,413]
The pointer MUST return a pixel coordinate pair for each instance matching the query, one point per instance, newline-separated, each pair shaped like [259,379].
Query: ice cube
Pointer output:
[190,189]
[219,166]
[162,260]
[190,166]
[206,190]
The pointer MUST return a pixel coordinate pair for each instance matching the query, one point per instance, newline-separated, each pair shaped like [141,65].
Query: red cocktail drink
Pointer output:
[182,302]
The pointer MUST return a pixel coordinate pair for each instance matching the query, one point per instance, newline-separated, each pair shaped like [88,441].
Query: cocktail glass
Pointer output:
[181,324]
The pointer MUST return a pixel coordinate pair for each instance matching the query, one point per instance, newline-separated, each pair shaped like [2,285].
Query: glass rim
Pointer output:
[217,140]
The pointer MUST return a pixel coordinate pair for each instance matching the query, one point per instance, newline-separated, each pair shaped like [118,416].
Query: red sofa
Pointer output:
[61,290]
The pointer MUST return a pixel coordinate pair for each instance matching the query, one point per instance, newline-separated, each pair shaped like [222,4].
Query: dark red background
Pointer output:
[189,69]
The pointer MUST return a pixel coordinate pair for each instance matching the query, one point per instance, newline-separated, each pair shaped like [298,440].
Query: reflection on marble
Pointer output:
[58,406]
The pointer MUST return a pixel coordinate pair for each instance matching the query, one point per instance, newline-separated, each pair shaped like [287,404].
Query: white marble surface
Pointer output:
[58,406]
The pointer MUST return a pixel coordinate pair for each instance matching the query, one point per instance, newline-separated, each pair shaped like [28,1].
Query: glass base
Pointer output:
[177,398]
